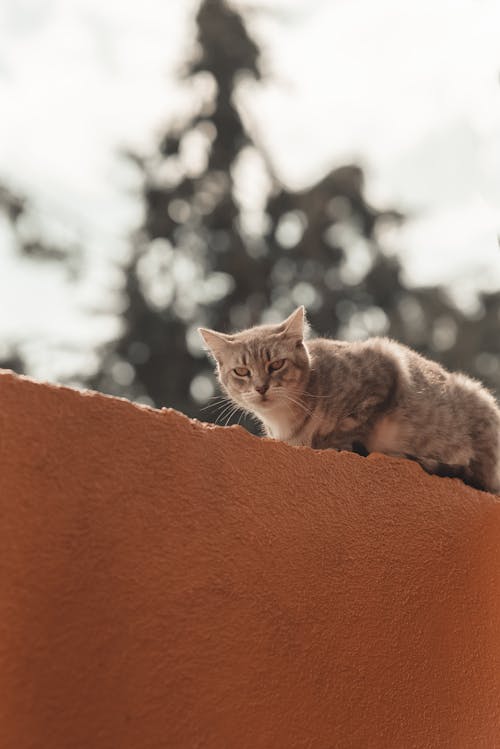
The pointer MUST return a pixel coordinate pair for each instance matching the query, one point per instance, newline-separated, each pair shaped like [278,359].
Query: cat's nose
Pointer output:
[261,389]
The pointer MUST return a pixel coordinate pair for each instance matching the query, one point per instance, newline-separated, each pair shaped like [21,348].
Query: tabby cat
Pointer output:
[373,395]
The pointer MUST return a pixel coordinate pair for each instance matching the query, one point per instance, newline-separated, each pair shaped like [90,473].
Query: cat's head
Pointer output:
[263,368]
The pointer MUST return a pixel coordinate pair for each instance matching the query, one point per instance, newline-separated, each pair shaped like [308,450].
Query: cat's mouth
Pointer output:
[262,400]
[259,401]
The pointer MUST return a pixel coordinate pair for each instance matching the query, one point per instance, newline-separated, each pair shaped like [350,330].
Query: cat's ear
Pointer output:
[217,343]
[296,324]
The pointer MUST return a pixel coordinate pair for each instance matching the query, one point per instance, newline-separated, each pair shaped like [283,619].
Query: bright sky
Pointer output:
[410,90]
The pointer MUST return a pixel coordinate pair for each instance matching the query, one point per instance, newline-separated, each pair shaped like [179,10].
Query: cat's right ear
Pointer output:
[216,343]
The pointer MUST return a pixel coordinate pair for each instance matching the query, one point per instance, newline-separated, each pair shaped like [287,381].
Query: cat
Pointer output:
[376,395]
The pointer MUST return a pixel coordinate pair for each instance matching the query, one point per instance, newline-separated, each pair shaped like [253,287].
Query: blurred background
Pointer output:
[165,165]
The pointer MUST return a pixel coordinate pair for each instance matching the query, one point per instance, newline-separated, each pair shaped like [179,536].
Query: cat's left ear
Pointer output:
[296,324]
[217,343]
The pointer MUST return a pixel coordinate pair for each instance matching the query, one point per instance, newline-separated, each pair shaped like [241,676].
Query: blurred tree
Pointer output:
[204,257]
[27,242]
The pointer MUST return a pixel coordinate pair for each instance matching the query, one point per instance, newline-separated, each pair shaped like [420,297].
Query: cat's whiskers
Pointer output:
[222,400]
[312,395]
[231,414]
[287,397]
[225,411]
[229,409]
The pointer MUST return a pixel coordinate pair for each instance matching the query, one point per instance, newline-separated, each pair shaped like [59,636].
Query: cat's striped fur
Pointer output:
[375,393]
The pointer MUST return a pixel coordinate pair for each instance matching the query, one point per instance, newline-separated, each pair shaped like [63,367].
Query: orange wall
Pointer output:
[169,584]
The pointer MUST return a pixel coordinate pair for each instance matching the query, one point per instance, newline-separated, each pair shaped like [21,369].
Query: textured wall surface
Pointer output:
[169,584]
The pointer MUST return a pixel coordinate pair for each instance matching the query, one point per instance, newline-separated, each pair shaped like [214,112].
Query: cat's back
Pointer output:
[330,352]
[411,369]
[327,347]
[378,359]
[354,363]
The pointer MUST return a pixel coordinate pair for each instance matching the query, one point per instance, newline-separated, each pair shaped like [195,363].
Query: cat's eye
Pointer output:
[241,371]
[277,364]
